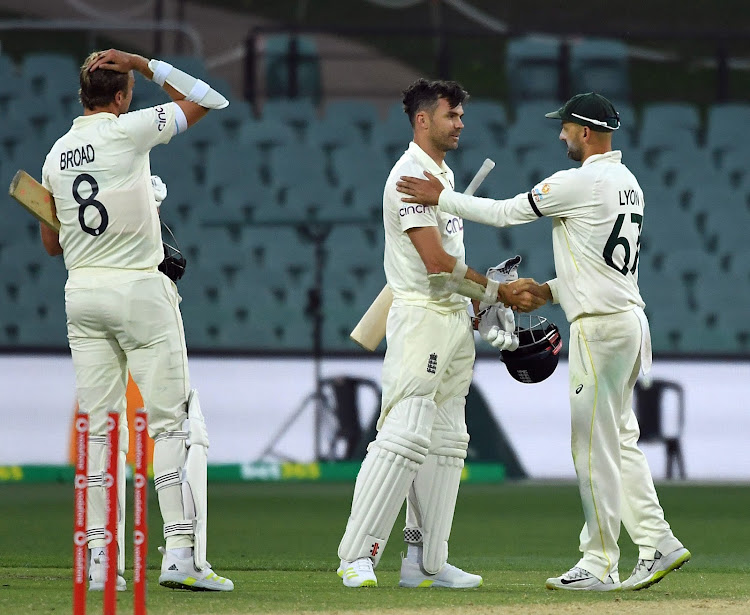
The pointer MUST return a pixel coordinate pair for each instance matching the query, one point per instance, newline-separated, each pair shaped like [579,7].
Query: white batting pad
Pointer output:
[385,476]
[123,445]
[180,459]
[95,496]
[431,501]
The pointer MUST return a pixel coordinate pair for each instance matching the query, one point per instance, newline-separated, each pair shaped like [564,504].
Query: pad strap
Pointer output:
[199,90]
[458,274]
[161,70]
[179,528]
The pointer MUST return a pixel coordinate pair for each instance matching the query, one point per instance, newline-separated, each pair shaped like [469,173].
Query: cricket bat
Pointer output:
[370,329]
[35,198]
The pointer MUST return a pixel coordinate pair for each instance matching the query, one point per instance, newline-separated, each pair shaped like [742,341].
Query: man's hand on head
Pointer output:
[422,191]
[118,61]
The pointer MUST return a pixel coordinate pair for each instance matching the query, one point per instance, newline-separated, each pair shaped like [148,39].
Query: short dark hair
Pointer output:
[98,89]
[423,94]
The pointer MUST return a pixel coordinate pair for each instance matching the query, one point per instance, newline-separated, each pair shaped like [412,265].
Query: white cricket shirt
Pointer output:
[597,214]
[100,176]
[404,269]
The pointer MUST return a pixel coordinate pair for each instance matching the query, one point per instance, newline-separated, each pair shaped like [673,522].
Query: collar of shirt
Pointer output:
[85,119]
[613,156]
[442,172]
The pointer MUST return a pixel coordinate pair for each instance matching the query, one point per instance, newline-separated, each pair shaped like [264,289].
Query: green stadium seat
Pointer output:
[231,165]
[540,163]
[530,129]
[314,200]
[266,134]
[296,164]
[600,65]
[44,73]
[297,113]
[330,133]
[482,245]
[276,56]
[728,129]
[359,113]
[234,117]
[532,67]
[668,126]
[488,114]
[356,163]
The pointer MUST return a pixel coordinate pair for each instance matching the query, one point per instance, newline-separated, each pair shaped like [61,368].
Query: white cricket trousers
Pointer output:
[120,320]
[430,354]
[613,475]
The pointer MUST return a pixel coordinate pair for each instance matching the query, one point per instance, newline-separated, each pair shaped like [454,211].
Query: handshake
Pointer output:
[496,323]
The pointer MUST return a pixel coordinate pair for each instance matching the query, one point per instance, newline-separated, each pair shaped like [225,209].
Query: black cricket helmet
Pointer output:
[539,347]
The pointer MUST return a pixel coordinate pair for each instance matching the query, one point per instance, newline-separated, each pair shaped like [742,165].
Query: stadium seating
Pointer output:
[276,56]
[532,67]
[600,65]
[247,195]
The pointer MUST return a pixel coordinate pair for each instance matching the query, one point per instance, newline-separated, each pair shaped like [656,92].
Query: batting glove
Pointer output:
[505,272]
[497,326]
[160,189]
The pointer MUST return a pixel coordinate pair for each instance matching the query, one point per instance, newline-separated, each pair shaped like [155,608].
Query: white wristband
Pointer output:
[490,292]
[161,70]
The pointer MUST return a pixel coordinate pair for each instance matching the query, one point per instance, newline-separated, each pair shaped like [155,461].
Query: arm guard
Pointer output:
[193,89]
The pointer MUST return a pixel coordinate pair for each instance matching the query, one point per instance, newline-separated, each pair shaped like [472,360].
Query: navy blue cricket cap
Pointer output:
[590,109]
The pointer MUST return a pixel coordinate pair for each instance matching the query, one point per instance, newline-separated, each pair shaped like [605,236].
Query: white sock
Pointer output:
[182,552]
[414,554]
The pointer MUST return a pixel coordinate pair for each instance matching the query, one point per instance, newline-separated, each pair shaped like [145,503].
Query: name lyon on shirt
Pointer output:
[76,157]
[629,197]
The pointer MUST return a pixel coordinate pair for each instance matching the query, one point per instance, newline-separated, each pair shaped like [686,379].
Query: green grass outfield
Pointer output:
[278,543]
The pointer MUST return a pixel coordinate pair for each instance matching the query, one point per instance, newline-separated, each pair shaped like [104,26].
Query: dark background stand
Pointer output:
[325,399]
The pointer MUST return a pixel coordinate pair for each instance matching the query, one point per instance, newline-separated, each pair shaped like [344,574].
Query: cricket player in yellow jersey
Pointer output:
[422,440]
[597,214]
[122,312]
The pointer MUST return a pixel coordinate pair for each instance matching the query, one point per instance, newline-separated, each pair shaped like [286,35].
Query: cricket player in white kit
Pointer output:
[122,312]
[422,440]
[597,214]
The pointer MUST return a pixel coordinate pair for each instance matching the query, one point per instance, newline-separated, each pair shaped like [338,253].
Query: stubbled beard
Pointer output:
[574,154]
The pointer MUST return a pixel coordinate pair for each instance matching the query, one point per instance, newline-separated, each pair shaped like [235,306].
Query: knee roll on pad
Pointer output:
[385,476]
[180,459]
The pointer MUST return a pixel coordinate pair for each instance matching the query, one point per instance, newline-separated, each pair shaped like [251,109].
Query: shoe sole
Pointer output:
[429,583]
[191,584]
[678,563]
[581,589]
[368,583]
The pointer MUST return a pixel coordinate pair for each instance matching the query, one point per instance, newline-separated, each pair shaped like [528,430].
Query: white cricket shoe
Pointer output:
[579,579]
[412,575]
[179,573]
[358,573]
[648,572]
[96,571]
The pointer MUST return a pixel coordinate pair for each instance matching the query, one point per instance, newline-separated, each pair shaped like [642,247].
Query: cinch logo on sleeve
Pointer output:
[432,363]
[412,209]
[161,118]
[454,225]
